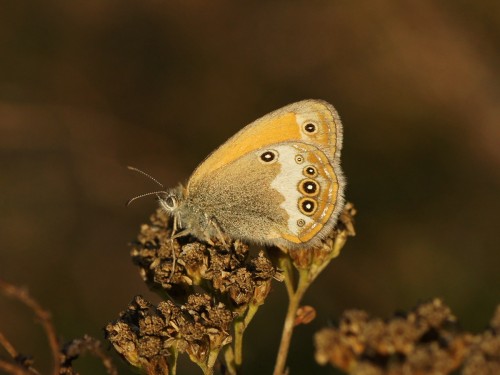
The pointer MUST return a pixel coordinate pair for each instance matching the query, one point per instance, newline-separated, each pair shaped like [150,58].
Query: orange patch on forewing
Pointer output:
[283,125]
[277,129]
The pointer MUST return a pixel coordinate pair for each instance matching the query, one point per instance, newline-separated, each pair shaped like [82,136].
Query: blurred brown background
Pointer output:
[88,87]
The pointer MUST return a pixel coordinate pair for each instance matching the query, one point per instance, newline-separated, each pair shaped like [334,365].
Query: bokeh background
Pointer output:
[88,87]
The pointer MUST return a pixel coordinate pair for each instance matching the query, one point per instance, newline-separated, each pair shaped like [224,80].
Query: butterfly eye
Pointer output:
[269,156]
[310,128]
[170,202]
[307,206]
[310,171]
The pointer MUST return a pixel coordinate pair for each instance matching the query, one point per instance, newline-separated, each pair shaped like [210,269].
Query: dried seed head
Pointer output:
[229,271]
[199,324]
[144,333]
[425,340]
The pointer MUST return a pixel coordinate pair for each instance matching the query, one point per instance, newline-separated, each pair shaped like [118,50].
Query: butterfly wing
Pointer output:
[277,181]
[309,121]
[287,194]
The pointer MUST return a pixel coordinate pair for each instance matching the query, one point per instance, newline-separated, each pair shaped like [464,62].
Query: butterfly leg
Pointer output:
[172,237]
[220,235]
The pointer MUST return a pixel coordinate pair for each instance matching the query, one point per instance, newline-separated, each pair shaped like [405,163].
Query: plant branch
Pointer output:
[44,316]
[14,369]
[293,305]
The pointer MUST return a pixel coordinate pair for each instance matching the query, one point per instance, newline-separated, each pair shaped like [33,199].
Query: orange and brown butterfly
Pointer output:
[278,181]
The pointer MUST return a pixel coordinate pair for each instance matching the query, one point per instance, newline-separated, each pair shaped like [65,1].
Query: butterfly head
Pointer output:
[186,214]
[172,200]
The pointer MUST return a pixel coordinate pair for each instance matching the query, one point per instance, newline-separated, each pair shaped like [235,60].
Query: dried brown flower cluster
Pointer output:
[427,340]
[212,292]
[228,271]
[146,335]
[227,284]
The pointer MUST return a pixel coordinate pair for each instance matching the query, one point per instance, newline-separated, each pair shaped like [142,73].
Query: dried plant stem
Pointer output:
[11,368]
[295,297]
[44,316]
[77,347]
[8,346]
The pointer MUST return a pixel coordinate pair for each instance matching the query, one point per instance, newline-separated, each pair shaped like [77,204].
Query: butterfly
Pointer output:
[277,182]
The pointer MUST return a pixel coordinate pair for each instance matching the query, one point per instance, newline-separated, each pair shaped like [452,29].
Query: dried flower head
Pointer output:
[146,336]
[425,340]
[233,283]
[176,265]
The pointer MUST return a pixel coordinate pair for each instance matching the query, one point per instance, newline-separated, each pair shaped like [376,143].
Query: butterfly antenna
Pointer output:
[145,174]
[145,195]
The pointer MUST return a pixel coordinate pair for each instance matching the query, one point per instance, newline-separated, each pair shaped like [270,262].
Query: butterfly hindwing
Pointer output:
[285,194]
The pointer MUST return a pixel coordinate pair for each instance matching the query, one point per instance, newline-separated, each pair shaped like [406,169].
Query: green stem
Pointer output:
[229,357]
[173,362]
[293,305]
[239,330]
[252,310]
[212,357]
[285,263]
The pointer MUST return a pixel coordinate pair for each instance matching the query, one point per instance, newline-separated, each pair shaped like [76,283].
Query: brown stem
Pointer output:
[44,316]
[8,346]
[77,347]
[13,369]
